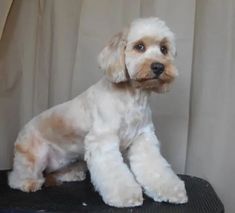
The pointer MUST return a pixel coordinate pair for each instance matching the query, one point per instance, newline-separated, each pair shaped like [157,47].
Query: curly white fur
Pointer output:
[110,118]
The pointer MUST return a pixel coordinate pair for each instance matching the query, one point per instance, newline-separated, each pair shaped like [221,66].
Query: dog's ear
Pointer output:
[112,58]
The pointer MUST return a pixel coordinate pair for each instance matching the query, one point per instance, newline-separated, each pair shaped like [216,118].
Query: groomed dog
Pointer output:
[111,118]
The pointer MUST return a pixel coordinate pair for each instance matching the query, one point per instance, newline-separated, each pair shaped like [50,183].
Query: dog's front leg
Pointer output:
[153,172]
[109,174]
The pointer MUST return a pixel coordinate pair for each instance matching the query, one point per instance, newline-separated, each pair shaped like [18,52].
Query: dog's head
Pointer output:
[143,54]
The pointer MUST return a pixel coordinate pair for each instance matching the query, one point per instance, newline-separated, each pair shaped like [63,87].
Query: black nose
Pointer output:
[157,68]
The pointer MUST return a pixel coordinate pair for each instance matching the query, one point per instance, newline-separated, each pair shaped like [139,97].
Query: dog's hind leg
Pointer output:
[29,162]
[73,172]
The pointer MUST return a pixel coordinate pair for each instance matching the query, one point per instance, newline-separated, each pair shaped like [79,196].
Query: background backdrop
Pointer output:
[48,51]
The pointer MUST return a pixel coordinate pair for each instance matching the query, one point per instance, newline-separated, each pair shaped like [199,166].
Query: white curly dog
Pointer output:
[110,120]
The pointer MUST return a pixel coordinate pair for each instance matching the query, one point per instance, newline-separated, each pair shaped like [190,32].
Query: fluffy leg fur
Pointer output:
[153,172]
[109,174]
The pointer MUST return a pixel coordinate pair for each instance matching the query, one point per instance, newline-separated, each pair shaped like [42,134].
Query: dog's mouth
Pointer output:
[160,79]
[155,83]
[141,80]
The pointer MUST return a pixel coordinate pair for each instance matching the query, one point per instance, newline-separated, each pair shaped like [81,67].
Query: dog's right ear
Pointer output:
[112,58]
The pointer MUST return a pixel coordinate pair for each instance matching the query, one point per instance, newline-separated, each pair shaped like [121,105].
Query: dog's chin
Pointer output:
[153,85]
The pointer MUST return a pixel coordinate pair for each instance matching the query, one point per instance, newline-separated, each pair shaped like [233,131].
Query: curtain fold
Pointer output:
[212,115]
[16,71]
[49,55]
[5,6]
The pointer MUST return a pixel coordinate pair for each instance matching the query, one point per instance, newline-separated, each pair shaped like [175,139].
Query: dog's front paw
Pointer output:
[124,196]
[169,191]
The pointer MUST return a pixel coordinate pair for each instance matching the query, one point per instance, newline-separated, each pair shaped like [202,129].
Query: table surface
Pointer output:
[81,197]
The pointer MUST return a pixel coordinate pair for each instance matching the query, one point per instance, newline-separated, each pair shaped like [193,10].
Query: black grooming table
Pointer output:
[81,197]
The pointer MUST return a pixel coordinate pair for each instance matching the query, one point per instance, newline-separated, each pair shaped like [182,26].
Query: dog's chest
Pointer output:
[133,121]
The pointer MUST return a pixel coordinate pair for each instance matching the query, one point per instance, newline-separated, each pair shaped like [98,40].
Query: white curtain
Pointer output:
[211,141]
[48,51]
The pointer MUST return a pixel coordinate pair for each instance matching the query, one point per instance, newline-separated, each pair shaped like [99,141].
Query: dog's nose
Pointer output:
[157,68]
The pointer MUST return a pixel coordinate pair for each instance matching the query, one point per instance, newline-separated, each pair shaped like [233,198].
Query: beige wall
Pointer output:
[48,55]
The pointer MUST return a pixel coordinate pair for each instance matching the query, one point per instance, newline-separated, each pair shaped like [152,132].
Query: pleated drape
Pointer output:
[48,55]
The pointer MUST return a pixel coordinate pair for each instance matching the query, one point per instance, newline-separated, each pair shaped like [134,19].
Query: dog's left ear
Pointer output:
[112,58]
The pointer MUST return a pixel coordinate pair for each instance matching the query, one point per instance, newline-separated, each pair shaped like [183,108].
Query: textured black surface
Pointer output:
[81,197]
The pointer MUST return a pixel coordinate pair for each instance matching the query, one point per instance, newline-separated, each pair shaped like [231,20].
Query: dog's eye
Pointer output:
[140,47]
[164,49]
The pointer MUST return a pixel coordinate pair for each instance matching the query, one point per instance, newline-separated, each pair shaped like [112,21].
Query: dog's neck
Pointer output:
[131,87]
[126,91]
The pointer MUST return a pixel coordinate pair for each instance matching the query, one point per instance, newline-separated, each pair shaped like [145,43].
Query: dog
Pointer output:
[109,126]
